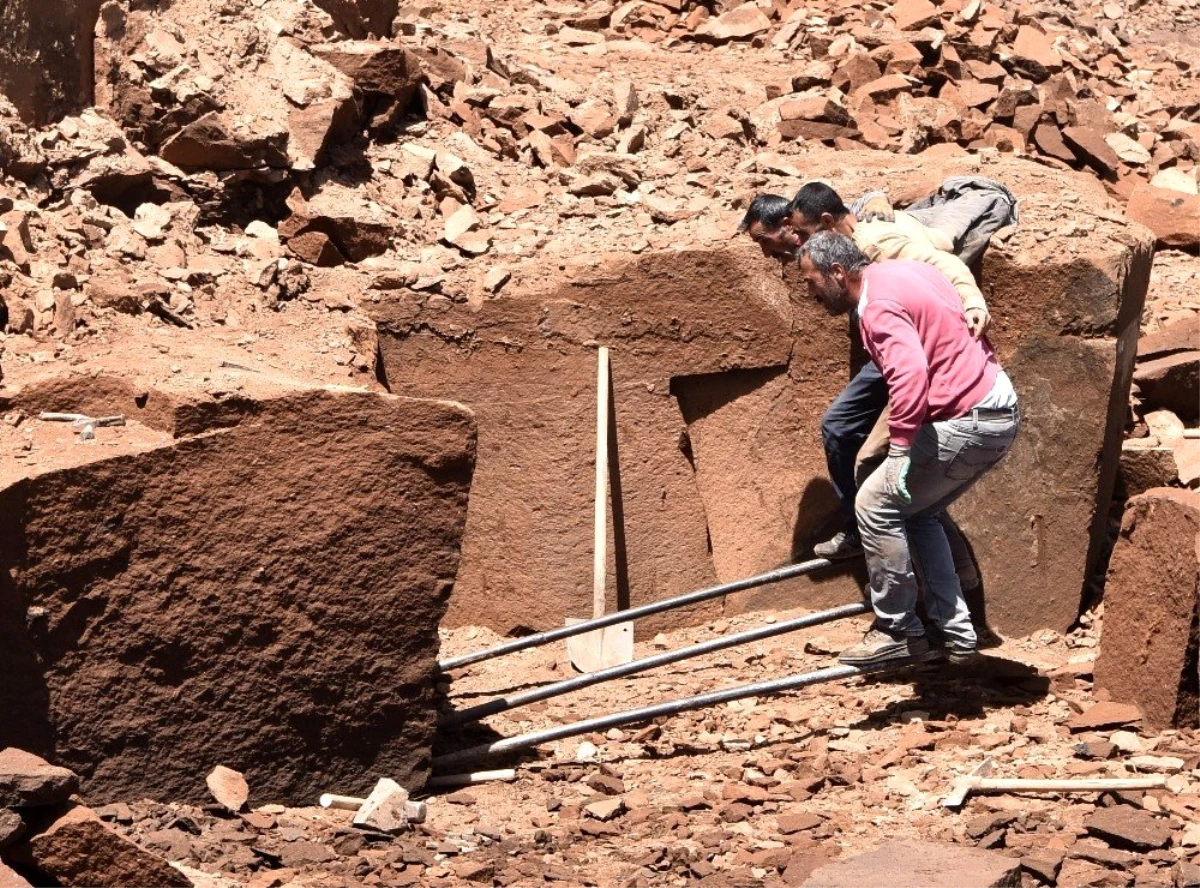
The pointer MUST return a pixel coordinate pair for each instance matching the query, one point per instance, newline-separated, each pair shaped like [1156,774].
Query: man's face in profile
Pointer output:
[780,242]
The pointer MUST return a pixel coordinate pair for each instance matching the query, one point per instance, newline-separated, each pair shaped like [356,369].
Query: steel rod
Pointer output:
[503,704]
[633,613]
[670,707]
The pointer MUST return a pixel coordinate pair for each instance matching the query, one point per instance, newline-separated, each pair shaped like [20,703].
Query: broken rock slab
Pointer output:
[10,878]
[385,809]
[911,862]
[78,849]
[229,788]
[1149,640]
[225,612]
[28,780]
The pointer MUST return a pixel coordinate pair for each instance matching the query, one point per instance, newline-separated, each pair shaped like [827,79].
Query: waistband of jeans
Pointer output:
[993,412]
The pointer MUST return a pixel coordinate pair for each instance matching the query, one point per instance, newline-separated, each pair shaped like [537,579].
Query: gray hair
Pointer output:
[826,249]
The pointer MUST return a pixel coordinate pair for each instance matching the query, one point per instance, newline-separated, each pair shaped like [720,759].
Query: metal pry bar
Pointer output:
[633,613]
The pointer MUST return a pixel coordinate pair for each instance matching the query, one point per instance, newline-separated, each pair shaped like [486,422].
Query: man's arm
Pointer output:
[893,243]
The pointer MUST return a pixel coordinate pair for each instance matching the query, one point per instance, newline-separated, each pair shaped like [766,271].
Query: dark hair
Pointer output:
[769,209]
[826,249]
[815,199]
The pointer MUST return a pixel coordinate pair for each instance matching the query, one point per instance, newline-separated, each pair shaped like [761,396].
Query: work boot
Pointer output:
[961,655]
[845,544]
[880,646]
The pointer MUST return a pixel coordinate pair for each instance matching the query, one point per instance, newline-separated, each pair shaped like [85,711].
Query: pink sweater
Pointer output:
[914,328]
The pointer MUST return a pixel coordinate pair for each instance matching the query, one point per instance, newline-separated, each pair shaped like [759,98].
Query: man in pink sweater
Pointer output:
[953,415]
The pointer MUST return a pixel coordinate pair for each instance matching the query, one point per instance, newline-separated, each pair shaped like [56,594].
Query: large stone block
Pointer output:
[722,371]
[258,587]
[46,57]
[1148,644]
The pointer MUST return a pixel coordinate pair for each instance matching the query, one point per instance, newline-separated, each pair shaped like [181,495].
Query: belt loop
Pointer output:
[975,418]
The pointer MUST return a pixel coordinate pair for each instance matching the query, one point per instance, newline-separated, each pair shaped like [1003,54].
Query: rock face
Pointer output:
[920,863]
[46,56]
[173,604]
[721,373]
[1149,642]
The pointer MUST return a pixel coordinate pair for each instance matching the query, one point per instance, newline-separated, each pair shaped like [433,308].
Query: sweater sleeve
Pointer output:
[893,341]
[893,243]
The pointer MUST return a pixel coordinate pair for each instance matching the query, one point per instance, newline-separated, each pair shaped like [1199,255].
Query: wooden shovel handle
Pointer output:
[600,549]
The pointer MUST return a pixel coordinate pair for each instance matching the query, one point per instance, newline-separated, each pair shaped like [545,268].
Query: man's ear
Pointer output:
[827,220]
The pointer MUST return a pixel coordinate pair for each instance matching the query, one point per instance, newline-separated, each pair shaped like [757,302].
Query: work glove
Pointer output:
[895,473]
[978,320]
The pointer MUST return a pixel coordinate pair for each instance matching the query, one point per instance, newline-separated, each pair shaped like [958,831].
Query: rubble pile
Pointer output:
[1073,84]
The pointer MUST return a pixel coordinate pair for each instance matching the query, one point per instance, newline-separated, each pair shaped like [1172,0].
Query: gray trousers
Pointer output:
[947,458]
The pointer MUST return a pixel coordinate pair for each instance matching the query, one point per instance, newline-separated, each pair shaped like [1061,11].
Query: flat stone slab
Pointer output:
[1124,827]
[905,863]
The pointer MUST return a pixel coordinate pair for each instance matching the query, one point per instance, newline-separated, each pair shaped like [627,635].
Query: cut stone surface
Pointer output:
[252,614]
[27,780]
[904,863]
[1123,826]
[228,787]
[719,391]
[78,850]
[1149,640]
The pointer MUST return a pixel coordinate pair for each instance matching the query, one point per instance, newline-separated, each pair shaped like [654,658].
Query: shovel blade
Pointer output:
[600,648]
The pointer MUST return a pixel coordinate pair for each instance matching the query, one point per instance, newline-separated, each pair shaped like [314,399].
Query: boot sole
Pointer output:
[843,555]
[889,656]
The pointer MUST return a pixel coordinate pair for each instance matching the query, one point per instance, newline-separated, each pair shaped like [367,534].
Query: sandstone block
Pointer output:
[362,18]
[78,850]
[722,371]
[28,780]
[376,68]
[1148,646]
[1171,383]
[738,23]
[216,143]
[1034,54]
[223,607]
[913,15]
[1173,216]
[12,827]
[10,878]
[912,862]
[1124,826]
[1143,468]
[1091,149]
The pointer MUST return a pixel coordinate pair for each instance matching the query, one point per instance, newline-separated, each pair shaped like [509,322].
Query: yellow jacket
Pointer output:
[906,238]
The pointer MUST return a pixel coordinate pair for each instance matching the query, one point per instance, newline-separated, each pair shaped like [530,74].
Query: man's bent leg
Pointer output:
[944,602]
[844,428]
